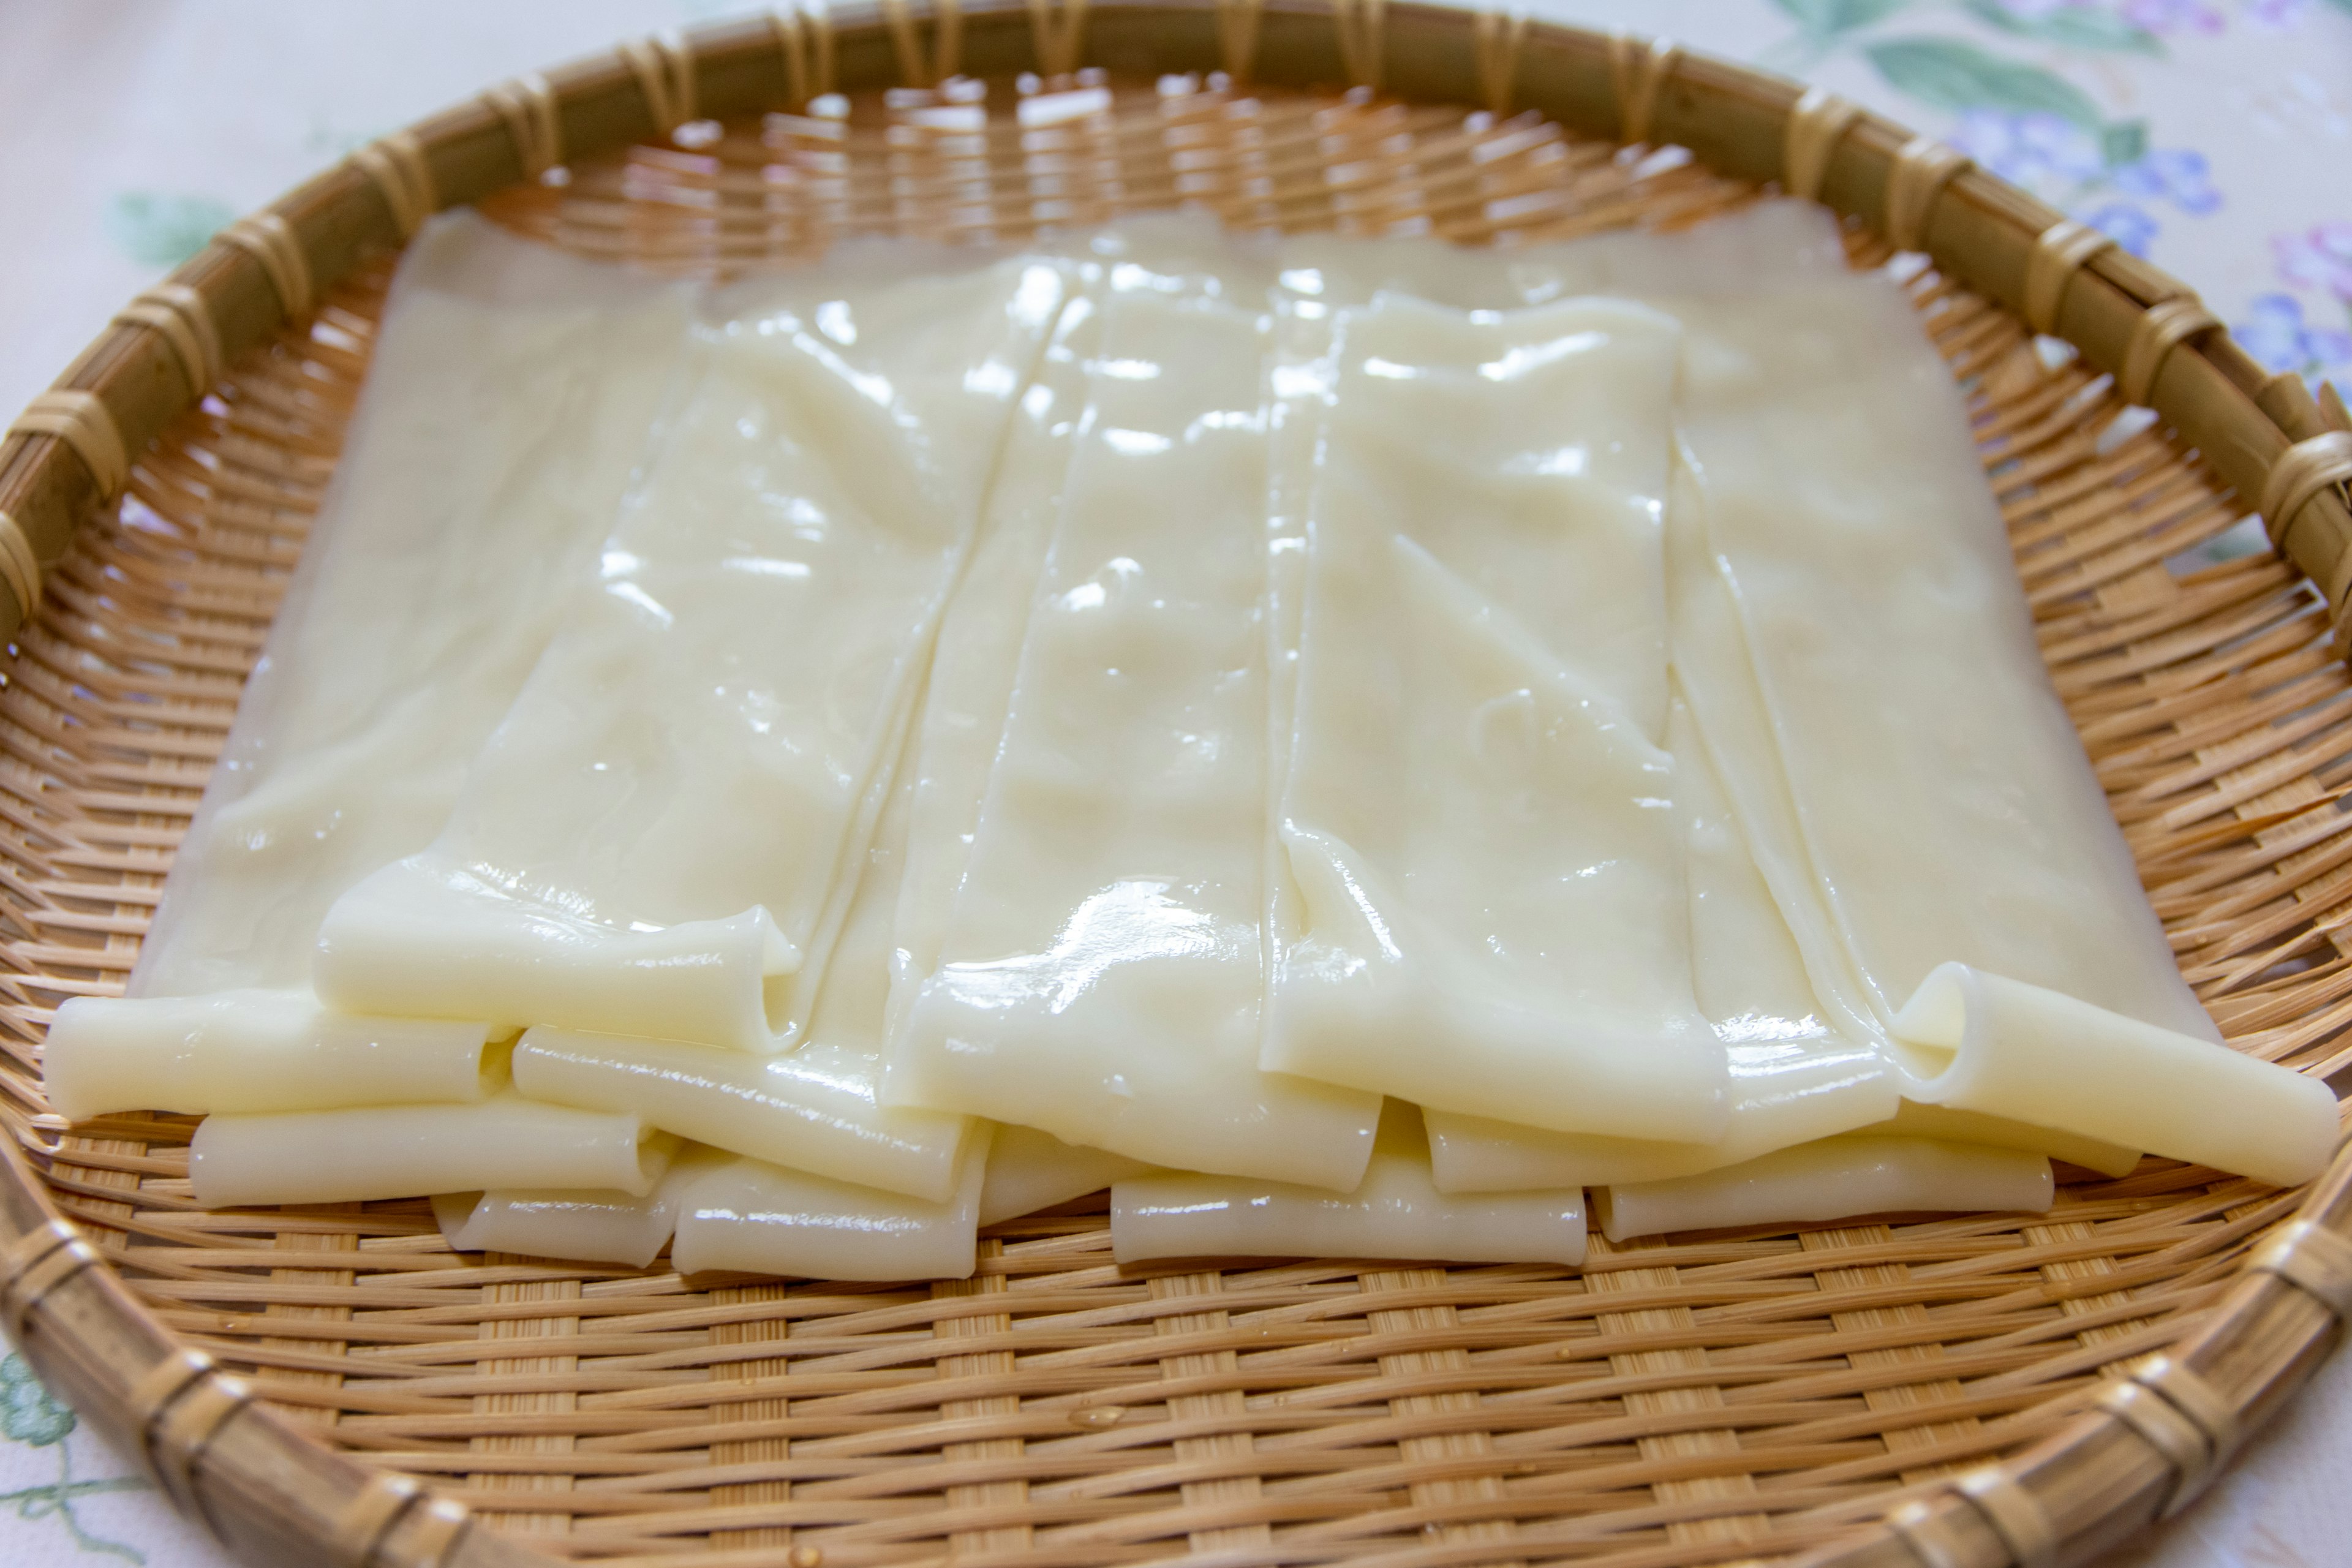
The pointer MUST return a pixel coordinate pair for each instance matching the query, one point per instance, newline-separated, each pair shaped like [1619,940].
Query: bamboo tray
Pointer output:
[334,1386]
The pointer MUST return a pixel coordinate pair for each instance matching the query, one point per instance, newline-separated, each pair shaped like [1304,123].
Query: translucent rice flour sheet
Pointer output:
[657,841]
[1794,1077]
[1958,842]
[1101,975]
[814,1109]
[505,409]
[1477,822]
[955,737]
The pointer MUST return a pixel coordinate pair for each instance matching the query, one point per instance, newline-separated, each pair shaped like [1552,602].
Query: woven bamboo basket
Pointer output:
[332,1385]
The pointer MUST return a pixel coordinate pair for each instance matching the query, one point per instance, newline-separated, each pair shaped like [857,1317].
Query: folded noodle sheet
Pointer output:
[1101,973]
[506,406]
[655,842]
[1793,1077]
[1961,852]
[1476,819]
[814,1109]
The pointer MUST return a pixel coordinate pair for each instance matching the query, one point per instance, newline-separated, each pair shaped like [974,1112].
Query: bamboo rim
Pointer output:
[2146,1443]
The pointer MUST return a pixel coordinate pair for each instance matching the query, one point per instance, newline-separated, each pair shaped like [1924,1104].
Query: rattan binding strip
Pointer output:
[270,240]
[533,121]
[2162,328]
[1058,29]
[1237,31]
[82,421]
[397,165]
[2299,474]
[178,315]
[1814,127]
[805,39]
[1638,68]
[1364,39]
[1921,171]
[179,1430]
[663,66]
[2315,1260]
[1916,1525]
[40,1261]
[2202,1405]
[368,1517]
[916,66]
[2180,1441]
[2015,1515]
[20,569]
[2059,252]
[1498,38]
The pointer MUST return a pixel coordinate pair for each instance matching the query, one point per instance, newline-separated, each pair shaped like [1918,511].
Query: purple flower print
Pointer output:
[2175,173]
[2164,17]
[2276,333]
[2132,229]
[2273,13]
[2320,258]
[2044,152]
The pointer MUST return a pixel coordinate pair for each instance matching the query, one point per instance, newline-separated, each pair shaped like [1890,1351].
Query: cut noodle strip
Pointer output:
[586,1225]
[401,1151]
[253,1051]
[1395,1212]
[1836,1178]
[747,1217]
[1029,1170]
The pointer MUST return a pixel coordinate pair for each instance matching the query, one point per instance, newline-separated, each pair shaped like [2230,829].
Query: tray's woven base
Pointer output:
[1670,1403]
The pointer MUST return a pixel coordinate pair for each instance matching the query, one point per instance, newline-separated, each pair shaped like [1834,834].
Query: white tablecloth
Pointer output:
[2214,136]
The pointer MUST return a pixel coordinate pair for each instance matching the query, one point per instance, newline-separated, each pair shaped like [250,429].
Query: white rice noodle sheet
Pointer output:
[658,840]
[507,405]
[253,1051]
[815,1109]
[1101,972]
[585,1226]
[1945,822]
[1836,1178]
[1029,1170]
[1477,826]
[1793,1078]
[978,652]
[400,1151]
[1396,1211]
[750,1217]
[1757,248]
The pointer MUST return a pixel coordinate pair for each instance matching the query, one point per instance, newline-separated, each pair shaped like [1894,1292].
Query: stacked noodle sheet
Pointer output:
[1352,744]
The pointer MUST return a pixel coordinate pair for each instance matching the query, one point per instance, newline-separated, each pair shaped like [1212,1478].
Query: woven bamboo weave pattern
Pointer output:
[1738,1395]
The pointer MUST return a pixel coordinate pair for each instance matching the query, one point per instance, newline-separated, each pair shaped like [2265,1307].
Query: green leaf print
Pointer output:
[2069,27]
[1824,18]
[155,228]
[1952,75]
[2125,142]
[31,1415]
